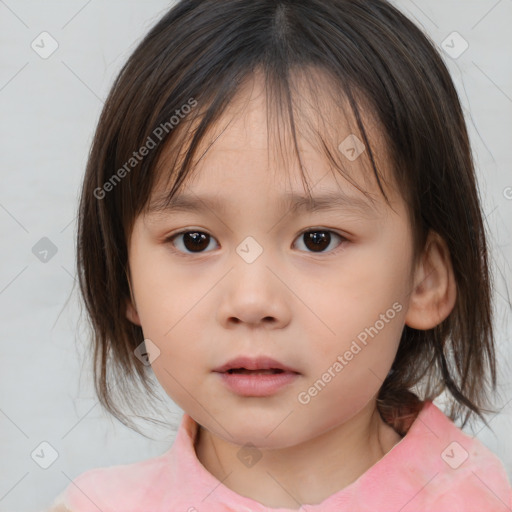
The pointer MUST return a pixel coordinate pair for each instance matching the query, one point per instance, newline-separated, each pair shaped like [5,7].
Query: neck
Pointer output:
[303,474]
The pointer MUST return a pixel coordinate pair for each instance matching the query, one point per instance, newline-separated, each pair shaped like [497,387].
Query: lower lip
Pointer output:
[247,384]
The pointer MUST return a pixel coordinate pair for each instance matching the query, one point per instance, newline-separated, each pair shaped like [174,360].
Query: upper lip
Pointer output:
[254,363]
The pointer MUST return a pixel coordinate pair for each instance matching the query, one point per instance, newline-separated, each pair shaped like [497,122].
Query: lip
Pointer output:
[254,363]
[256,384]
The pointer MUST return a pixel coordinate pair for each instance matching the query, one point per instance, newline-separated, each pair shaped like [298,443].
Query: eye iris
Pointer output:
[319,239]
[199,241]
[196,241]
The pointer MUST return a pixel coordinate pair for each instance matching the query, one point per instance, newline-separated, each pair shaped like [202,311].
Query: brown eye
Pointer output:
[318,240]
[197,242]
[190,241]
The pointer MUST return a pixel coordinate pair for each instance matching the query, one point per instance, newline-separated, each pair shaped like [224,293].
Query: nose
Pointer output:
[256,295]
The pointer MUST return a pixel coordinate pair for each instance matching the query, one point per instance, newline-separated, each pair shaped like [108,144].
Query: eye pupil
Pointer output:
[195,242]
[198,240]
[319,239]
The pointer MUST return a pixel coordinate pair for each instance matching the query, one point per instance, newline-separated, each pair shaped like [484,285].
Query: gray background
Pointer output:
[49,108]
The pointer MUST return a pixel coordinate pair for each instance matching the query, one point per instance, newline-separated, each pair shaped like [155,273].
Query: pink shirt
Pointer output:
[435,467]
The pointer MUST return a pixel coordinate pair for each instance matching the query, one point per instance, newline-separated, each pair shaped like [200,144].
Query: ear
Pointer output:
[131,309]
[131,313]
[434,290]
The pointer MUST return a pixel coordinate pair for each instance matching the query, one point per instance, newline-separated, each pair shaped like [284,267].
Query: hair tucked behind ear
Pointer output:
[398,407]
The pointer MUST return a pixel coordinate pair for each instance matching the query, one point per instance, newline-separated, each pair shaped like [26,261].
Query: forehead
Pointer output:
[252,143]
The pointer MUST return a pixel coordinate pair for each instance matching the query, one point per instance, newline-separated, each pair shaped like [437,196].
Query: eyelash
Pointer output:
[169,240]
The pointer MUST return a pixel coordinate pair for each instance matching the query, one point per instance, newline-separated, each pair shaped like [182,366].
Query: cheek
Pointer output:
[362,314]
[350,370]
[165,302]
[180,366]
[163,293]
[172,377]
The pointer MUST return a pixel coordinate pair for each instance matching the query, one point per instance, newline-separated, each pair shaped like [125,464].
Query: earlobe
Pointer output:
[131,310]
[131,314]
[434,291]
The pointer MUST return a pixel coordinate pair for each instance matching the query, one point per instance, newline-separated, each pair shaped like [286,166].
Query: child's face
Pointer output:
[333,311]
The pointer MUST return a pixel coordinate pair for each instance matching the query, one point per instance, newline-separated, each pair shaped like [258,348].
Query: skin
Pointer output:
[301,307]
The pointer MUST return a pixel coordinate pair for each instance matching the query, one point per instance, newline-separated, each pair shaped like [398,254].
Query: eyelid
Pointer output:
[332,252]
[169,238]
[343,239]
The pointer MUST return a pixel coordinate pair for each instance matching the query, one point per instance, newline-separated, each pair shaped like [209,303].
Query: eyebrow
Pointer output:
[296,203]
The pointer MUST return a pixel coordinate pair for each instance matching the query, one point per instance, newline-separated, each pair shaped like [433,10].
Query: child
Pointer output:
[304,325]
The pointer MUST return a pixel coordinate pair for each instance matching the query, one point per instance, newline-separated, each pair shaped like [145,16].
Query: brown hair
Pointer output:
[199,54]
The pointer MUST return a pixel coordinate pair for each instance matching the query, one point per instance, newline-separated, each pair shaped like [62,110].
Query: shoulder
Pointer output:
[113,488]
[462,473]
[150,484]
[436,467]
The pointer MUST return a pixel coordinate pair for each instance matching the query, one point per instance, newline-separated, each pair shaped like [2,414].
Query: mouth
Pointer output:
[263,378]
[243,371]
[249,365]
